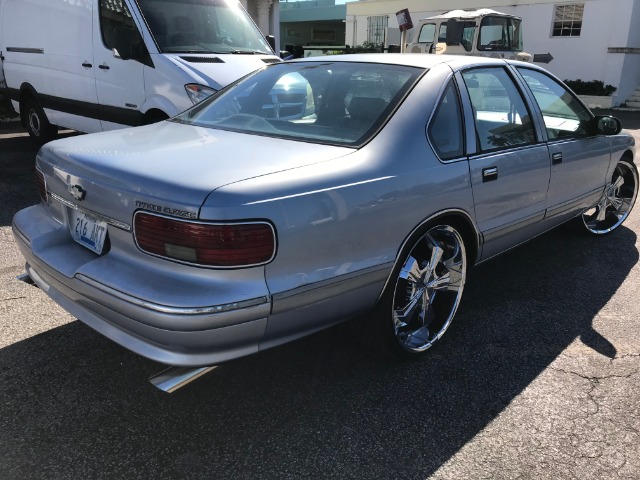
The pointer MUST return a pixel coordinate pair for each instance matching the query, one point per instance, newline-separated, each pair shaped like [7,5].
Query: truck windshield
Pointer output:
[203,26]
[500,34]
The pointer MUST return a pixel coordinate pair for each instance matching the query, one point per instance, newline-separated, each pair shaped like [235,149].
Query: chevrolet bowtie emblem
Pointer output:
[77,192]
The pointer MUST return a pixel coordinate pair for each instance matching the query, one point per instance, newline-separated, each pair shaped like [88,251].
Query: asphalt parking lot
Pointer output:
[539,377]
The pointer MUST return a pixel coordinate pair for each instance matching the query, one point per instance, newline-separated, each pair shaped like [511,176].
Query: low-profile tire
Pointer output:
[616,202]
[37,123]
[423,293]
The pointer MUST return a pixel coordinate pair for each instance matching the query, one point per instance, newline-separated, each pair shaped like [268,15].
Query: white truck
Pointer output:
[483,32]
[93,65]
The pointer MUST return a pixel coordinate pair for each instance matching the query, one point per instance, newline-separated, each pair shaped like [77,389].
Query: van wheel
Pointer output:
[154,116]
[37,123]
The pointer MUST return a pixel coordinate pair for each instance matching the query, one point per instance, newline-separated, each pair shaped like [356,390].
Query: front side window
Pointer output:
[325,102]
[567,20]
[564,115]
[202,26]
[445,129]
[116,20]
[427,33]
[501,116]
[468,31]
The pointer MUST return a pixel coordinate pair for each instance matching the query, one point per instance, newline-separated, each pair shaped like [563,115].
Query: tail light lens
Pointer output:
[203,243]
[42,186]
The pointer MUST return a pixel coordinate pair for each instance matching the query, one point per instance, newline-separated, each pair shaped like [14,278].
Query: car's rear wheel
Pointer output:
[424,292]
[616,202]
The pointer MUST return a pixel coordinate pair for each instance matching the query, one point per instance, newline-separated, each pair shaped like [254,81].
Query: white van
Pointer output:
[93,65]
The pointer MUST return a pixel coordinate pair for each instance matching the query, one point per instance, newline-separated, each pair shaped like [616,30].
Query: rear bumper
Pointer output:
[182,335]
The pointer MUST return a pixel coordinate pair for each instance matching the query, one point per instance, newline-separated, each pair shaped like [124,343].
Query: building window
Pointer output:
[376,29]
[323,35]
[294,33]
[567,20]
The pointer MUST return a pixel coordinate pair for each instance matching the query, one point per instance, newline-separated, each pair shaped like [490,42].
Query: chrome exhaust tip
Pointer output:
[173,378]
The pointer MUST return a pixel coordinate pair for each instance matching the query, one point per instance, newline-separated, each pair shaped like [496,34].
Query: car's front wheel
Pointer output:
[424,292]
[616,202]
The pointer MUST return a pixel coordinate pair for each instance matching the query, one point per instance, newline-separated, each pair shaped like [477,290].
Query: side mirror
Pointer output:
[454,32]
[607,125]
[271,40]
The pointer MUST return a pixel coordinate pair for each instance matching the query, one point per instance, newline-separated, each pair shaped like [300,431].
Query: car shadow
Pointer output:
[75,405]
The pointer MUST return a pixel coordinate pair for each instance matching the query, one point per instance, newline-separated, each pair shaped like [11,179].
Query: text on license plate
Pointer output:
[88,230]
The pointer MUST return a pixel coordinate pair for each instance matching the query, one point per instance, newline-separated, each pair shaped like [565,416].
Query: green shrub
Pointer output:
[594,87]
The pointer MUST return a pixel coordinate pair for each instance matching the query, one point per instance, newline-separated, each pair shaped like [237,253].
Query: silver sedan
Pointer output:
[316,191]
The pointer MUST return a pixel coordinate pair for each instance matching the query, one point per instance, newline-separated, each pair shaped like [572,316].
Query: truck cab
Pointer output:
[483,32]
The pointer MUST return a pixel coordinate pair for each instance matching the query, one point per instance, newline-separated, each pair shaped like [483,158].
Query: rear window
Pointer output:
[327,102]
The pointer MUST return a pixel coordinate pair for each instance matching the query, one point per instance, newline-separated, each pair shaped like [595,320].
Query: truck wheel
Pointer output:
[37,123]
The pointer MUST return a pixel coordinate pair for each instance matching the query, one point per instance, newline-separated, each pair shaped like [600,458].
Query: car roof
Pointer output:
[411,59]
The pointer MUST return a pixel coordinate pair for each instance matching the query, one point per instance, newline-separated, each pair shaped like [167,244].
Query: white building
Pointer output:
[588,39]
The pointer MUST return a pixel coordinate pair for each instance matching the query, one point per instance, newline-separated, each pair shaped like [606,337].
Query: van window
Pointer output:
[202,26]
[115,15]
[427,33]
[500,34]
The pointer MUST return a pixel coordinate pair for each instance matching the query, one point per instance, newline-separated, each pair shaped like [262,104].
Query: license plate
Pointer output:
[88,230]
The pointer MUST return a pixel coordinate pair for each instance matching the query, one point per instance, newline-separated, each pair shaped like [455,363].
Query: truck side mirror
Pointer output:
[454,32]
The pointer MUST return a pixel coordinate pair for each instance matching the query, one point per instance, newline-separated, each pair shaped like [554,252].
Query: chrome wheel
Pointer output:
[616,202]
[428,288]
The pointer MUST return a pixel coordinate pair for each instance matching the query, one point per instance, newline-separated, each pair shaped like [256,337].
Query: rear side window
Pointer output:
[502,119]
[564,116]
[445,129]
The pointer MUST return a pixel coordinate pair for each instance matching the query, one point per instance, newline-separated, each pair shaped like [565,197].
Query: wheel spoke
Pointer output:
[618,183]
[402,316]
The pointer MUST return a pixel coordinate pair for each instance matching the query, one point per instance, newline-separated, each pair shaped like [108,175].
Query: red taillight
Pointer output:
[42,186]
[201,243]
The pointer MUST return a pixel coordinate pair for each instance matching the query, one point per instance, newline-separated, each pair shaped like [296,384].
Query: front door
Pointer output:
[580,160]
[119,83]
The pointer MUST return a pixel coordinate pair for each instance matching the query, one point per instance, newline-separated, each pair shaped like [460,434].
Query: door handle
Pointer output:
[556,158]
[103,67]
[87,65]
[489,174]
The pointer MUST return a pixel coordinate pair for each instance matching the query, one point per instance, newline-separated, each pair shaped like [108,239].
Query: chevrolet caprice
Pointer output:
[315,191]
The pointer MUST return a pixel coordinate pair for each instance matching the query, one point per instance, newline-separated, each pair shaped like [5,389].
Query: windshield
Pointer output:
[327,102]
[500,34]
[203,26]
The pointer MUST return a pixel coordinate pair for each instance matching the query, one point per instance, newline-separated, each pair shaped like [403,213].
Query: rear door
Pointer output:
[119,83]
[510,167]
